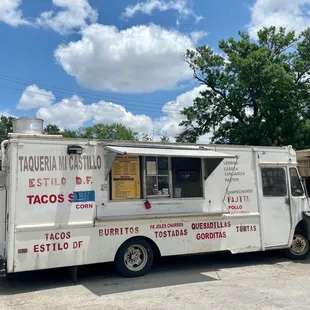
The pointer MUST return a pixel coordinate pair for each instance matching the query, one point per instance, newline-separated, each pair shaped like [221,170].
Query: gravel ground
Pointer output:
[217,281]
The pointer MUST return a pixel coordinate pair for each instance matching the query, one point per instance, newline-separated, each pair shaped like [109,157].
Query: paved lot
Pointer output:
[218,281]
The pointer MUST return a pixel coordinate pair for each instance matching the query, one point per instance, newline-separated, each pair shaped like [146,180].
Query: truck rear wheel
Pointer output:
[299,248]
[134,258]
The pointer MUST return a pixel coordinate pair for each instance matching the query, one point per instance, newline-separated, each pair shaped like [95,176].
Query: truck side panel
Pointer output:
[55,188]
[180,235]
[50,189]
[54,228]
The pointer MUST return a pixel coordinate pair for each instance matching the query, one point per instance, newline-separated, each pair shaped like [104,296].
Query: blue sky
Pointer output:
[77,62]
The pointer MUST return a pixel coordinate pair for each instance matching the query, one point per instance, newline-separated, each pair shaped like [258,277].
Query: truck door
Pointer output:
[276,214]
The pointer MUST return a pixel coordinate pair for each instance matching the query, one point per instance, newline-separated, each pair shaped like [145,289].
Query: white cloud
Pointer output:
[34,97]
[74,15]
[147,7]
[11,14]
[69,113]
[6,113]
[170,121]
[293,14]
[68,15]
[197,36]
[99,112]
[107,112]
[138,59]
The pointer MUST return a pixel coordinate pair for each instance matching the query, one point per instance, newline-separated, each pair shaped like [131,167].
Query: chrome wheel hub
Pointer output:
[135,257]
[300,245]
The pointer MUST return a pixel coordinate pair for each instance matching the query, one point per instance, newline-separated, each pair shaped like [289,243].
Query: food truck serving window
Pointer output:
[157,176]
[170,173]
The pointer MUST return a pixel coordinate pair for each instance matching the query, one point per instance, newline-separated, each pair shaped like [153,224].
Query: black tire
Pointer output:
[294,255]
[140,245]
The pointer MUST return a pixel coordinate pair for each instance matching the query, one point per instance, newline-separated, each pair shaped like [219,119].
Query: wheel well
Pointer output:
[154,246]
[299,227]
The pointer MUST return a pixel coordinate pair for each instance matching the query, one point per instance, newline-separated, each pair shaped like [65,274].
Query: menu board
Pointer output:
[126,178]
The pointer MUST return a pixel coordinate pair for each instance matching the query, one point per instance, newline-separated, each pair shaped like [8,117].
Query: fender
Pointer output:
[2,269]
[305,224]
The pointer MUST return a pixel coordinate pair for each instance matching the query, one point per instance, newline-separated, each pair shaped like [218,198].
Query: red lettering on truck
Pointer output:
[85,206]
[58,236]
[50,247]
[77,244]
[166,225]
[235,207]
[210,225]
[170,233]
[211,235]
[44,199]
[237,199]
[47,182]
[80,181]
[118,231]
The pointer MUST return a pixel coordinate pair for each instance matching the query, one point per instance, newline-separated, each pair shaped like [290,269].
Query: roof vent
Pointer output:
[28,125]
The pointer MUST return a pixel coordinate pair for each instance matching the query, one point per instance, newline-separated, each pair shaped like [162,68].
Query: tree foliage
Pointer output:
[257,92]
[6,126]
[155,137]
[98,131]
[51,129]
[108,132]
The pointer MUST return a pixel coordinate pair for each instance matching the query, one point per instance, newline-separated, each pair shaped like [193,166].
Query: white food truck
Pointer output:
[70,202]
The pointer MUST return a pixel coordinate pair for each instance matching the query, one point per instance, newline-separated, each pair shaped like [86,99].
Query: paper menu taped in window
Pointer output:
[151,167]
[126,178]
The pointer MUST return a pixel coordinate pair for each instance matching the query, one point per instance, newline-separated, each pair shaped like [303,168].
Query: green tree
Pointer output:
[97,131]
[66,133]
[51,129]
[108,132]
[304,136]
[152,137]
[164,138]
[147,138]
[6,126]
[256,92]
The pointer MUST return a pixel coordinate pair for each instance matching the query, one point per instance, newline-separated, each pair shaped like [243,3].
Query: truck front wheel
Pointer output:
[134,258]
[299,248]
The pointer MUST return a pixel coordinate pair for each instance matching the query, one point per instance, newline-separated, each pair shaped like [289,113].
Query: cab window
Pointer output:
[296,186]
